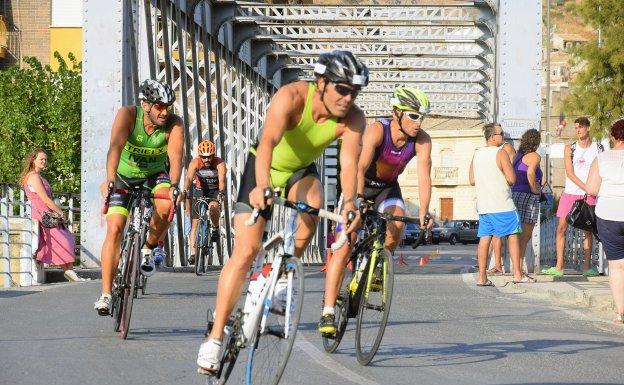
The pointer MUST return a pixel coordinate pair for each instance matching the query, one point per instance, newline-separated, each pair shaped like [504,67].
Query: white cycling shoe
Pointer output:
[148,267]
[209,357]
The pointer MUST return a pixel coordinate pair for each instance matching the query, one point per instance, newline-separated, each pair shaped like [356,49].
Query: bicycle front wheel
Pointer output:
[343,303]
[270,348]
[374,307]
[130,284]
[199,247]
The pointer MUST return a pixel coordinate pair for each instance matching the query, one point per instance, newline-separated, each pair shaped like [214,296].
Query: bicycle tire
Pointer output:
[364,355]
[199,257]
[219,251]
[230,356]
[130,280]
[143,284]
[117,293]
[342,308]
[265,366]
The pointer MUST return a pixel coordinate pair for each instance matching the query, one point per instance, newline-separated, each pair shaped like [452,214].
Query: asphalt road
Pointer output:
[443,330]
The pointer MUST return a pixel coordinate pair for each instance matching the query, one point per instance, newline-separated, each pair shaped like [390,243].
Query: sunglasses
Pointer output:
[162,107]
[206,157]
[344,90]
[413,116]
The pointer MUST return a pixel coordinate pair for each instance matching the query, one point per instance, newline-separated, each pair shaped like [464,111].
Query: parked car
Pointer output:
[411,232]
[468,232]
[446,233]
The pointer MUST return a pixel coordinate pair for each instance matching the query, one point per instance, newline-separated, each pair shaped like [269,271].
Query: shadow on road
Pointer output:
[16,293]
[461,353]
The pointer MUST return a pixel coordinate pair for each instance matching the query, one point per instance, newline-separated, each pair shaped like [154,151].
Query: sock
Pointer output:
[328,310]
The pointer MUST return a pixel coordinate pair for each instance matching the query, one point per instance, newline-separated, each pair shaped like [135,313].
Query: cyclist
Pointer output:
[207,174]
[302,120]
[388,145]
[143,137]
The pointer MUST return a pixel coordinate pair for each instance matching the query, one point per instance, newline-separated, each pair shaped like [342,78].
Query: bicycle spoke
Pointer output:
[269,352]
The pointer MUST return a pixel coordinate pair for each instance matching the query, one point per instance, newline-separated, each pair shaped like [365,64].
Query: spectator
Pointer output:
[577,158]
[56,245]
[606,180]
[526,191]
[492,174]
[497,243]
[446,222]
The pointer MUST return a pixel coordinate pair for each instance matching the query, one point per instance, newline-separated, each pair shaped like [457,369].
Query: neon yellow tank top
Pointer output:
[302,145]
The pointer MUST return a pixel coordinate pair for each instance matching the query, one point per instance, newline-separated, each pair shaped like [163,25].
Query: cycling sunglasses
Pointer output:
[206,157]
[344,90]
[414,116]
[162,107]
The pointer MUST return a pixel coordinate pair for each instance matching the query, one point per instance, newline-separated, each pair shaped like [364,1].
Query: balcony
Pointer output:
[445,176]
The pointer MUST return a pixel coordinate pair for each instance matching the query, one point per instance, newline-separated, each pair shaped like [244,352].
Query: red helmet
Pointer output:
[206,148]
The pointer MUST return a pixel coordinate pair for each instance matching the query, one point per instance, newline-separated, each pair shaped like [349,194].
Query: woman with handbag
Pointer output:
[56,242]
[606,180]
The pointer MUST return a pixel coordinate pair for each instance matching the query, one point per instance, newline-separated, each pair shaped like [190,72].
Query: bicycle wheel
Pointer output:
[199,247]
[130,282]
[143,284]
[374,307]
[270,348]
[341,313]
[219,250]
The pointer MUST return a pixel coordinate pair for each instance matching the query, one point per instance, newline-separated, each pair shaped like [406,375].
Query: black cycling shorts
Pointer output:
[379,195]
[120,203]
[197,193]
[248,183]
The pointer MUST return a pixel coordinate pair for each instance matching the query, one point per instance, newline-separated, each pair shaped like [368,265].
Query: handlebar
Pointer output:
[304,208]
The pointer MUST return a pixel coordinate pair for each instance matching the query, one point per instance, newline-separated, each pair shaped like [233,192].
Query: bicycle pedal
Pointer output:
[329,336]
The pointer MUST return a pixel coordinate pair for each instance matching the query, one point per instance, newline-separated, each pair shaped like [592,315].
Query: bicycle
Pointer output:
[204,248]
[126,283]
[369,288]
[267,325]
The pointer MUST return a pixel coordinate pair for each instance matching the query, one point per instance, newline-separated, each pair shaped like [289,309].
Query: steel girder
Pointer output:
[468,11]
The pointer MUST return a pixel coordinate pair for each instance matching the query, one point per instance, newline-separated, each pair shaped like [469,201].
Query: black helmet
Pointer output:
[153,91]
[342,67]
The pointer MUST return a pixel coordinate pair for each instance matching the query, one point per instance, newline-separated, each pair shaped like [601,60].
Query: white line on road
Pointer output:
[323,359]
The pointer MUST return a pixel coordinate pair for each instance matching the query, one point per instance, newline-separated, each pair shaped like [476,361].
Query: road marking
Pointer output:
[325,360]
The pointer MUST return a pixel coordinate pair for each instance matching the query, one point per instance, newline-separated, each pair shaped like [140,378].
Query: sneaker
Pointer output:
[209,357]
[103,304]
[159,255]
[553,271]
[591,272]
[214,235]
[71,276]
[327,324]
[191,259]
[147,267]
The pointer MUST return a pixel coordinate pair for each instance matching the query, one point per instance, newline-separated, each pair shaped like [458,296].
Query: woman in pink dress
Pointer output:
[56,245]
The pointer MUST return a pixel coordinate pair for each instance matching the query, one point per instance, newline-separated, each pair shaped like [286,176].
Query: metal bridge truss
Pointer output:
[226,58]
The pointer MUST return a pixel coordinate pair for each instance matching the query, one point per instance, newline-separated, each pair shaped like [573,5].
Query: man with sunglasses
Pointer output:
[388,145]
[207,175]
[143,139]
[302,120]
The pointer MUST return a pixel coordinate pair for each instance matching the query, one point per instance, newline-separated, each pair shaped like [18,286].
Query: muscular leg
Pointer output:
[562,227]
[335,273]
[214,214]
[160,219]
[525,237]
[247,242]
[394,229]
[514,252]
[309,190]
[109,256]
[194,223]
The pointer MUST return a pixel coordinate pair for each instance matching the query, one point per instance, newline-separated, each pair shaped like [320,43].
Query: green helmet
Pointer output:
[410,99]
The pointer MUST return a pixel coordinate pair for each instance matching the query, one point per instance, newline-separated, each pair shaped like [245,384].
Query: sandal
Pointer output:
[619,318]
[487,283]
[525,279]
[496,270]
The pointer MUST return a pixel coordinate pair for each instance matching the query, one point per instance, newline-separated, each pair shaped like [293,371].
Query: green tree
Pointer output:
[42,108]
[598,90]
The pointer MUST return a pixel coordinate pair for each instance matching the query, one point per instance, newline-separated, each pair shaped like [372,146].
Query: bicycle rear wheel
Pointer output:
[270,348]
[374,307]
[130,282]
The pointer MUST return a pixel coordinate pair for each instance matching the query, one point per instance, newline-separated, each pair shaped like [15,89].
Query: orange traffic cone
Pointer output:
[424,260]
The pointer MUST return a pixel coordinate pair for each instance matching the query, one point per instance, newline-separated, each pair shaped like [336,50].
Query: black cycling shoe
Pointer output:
[327,325]
[214,235]
[191,259]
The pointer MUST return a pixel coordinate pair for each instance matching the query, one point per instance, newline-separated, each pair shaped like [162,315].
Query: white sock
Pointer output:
[328,310]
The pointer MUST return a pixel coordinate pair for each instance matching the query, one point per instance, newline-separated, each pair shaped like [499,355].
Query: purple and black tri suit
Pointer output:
[381,178]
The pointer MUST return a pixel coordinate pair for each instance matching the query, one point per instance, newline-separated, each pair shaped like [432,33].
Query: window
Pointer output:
[446,158]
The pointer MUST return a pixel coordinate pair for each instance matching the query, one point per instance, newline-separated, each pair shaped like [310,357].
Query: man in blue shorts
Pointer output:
[492,174]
